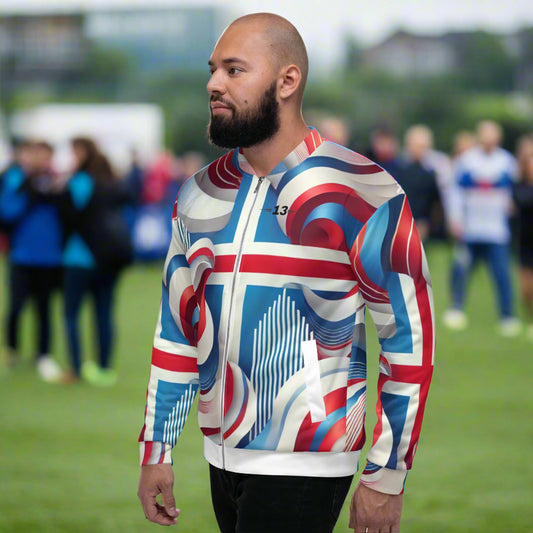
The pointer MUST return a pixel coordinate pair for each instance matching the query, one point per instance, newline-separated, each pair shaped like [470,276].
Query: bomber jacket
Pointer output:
[265,287]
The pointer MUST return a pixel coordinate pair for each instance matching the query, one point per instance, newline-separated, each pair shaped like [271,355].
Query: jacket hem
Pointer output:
[271,463]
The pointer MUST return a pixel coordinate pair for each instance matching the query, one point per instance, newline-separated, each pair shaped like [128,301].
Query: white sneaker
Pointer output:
[455,319]
[48,369]
[510,327]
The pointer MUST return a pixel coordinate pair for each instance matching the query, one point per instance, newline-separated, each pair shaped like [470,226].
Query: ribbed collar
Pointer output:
[299,154]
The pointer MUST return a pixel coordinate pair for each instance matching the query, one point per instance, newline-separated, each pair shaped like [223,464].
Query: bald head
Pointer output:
[284,46]
[489,134]
[418,141]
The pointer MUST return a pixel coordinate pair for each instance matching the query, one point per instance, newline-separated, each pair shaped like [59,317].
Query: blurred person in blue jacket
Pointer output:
[98,246]
[35,238]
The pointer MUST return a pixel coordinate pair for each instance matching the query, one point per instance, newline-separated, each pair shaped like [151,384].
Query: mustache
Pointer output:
[216,98]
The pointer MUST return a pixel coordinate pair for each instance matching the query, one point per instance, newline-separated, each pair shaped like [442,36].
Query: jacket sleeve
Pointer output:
[14,198]
[173,379]
[391,269]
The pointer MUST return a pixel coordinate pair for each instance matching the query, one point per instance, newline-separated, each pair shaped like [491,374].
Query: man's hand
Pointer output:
[375,512]
[155,480]
[456,230]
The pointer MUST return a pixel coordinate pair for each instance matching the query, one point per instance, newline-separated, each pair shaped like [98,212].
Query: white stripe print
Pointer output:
[178,415]
[276,341]
[312,379]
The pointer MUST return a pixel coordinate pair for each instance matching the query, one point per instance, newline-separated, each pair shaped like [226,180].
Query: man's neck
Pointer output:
[266,156]
[489,149]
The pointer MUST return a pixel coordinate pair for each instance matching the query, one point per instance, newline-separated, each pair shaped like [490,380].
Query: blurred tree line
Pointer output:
[489,81]
[483,85]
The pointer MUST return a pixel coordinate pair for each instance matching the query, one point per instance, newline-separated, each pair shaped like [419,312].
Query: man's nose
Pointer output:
[215,85]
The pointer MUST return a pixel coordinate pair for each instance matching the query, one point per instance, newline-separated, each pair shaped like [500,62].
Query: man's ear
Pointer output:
[289,81]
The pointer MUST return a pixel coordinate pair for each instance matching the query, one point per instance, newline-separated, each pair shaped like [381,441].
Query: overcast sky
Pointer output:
[324,23]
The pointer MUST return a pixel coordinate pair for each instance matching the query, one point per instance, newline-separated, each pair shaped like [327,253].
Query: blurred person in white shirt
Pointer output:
[479,209]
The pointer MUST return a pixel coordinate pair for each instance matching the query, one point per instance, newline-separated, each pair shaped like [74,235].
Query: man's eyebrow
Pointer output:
[228,61]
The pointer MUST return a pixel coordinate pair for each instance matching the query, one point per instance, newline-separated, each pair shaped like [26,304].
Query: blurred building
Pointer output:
[408,55]
[52,47]
[522,43]
[157,39]
[37,48]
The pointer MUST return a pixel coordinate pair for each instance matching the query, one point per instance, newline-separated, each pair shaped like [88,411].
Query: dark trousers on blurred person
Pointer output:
[79,282]
[498,259]
[245,503]
[35,283]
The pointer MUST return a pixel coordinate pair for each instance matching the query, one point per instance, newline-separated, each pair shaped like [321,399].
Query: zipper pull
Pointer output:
[260,178]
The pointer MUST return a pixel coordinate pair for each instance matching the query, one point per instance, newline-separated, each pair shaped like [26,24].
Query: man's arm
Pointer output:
[14,200]
[455,199]
[393,276]
[173,382]
[523,195]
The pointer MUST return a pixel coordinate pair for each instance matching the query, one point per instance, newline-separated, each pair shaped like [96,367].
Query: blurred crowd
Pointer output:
[76,232]
[479,196]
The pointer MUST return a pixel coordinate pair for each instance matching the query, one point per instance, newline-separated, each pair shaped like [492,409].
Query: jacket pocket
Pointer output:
[317,407]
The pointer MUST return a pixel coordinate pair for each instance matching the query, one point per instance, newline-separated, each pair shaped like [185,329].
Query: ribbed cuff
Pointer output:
[383,479]
[155,453]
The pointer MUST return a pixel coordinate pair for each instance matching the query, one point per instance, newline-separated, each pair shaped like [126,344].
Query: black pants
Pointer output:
[79,282]
[246,503]
[38,284]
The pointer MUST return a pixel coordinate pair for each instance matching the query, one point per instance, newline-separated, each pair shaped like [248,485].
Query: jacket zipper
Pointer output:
[230,316]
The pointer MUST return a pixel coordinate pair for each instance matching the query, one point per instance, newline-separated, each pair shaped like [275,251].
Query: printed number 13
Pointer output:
[280,210]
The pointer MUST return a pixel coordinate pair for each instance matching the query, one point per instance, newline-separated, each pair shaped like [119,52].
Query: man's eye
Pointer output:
[234,70]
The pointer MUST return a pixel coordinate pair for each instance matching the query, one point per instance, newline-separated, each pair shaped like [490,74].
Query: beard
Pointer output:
[248,128]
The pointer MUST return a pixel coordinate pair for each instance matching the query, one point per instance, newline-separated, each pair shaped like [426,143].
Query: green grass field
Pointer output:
[68,454]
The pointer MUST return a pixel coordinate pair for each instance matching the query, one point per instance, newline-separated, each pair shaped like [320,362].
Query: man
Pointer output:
[277,248]
[418,179]
[440,163]
[480,209]
[384,150]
